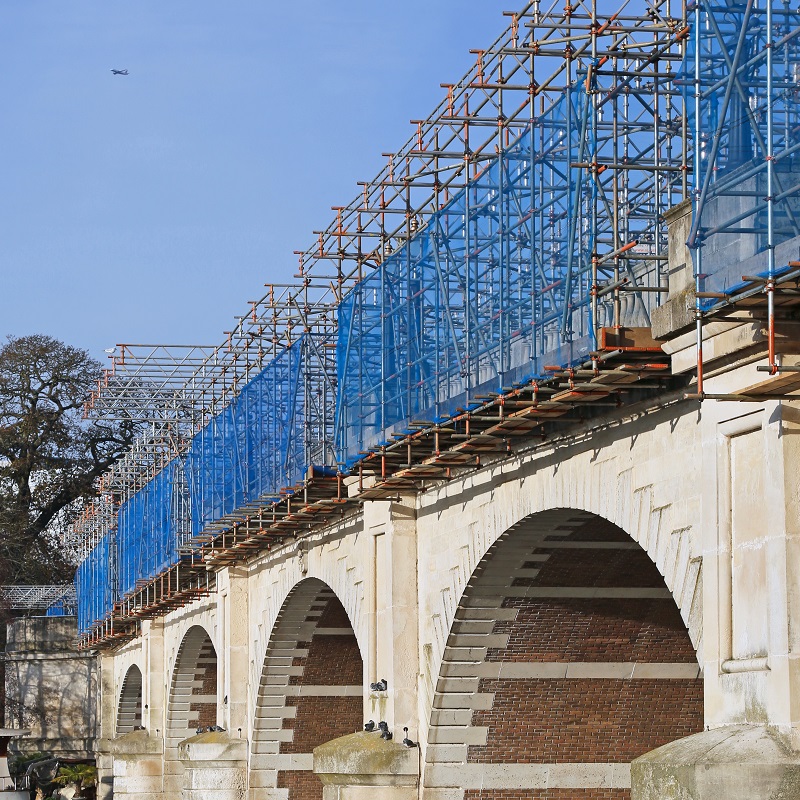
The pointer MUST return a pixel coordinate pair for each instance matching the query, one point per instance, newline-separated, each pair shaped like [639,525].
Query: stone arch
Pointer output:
[567,658]
[192,700]
[129,707]
[310,692]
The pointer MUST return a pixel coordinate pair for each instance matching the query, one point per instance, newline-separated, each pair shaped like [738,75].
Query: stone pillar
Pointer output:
[751,538]
[155,682]
[138,766]
[108,715]
[362,766]
[394,615]
[234,654]
[751,612]
[215,767]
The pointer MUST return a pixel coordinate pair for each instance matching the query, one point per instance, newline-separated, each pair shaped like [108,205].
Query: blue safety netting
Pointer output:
[146,529]
[61,608]
[495,287]
[742,99]
[260,445]
[255,447]
[93,584]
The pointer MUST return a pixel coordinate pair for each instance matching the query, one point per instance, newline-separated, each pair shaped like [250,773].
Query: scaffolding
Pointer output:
[223,432]
[493,282]
[94,532]
[742,87]
[53,601]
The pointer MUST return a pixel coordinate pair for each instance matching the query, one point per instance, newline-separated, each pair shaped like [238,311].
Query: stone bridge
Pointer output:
[608,614]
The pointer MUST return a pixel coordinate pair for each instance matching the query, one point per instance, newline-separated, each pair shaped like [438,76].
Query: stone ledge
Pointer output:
[212,746]
[736,762]
[133,744]
[364,759]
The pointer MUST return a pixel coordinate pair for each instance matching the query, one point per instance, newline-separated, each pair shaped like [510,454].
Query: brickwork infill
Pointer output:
[332,660]
[590,567]
[204,714]
[575,720]
[593,629]
[578,721]
[302,784]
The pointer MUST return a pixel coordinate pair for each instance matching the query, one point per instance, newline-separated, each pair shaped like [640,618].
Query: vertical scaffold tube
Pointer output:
[698,157]
[770,287]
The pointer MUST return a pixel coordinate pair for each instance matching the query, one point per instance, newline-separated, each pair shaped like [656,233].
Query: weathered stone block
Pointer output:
[737,762]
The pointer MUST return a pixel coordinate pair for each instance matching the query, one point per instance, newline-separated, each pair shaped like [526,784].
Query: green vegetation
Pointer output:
[82,775]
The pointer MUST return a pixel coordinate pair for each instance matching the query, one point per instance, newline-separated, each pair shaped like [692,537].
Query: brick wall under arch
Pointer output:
[192,700]
[310,692]
[567,658]
[129,707]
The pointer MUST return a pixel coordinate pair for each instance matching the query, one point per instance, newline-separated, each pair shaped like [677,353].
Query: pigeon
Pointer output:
[384,729]
[199,731]
[216,729]
[380,686]
[386,735]
[369,726]
[406,741]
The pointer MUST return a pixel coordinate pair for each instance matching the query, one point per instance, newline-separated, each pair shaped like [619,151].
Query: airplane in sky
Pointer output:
[119,72]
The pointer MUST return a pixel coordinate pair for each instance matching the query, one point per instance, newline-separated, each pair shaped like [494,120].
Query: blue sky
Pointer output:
[151,208]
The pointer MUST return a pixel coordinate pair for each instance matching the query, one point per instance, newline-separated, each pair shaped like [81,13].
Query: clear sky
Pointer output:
[151,208]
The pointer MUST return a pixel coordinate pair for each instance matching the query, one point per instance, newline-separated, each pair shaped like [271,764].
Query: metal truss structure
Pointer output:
[40,598]
[494,282]
[520,219]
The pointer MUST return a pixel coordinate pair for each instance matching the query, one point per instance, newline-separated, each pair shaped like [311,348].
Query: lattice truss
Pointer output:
[628,132]
[523,215]
[35,598]
[218,425]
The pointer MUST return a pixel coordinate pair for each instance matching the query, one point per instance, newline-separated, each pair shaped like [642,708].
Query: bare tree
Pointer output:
[50,456]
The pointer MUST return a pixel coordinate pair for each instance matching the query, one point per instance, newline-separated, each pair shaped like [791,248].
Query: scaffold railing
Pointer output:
[522,216]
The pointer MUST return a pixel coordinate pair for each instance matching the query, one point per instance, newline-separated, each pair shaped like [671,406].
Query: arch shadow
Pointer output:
[192,702]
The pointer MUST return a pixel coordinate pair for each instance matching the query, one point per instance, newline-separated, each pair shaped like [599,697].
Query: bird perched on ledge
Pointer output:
[380,686]
[369,726]
[406,741]
[385,732]
[210,729]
